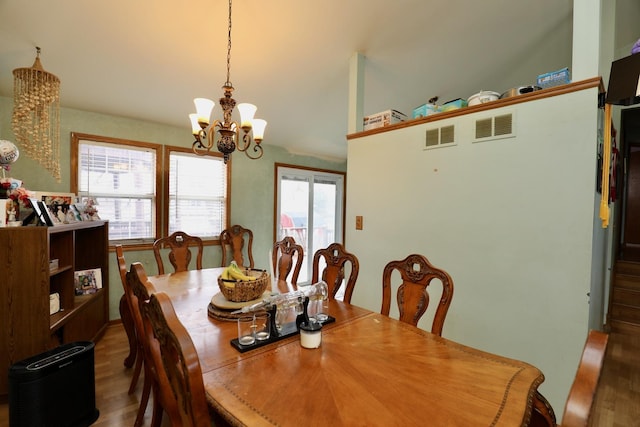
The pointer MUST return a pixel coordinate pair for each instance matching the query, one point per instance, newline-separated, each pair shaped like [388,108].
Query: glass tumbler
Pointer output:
[246,330]
[263,326]
[323,294]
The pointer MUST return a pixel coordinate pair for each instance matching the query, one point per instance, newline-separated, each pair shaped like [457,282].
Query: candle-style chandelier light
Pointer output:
[228,130]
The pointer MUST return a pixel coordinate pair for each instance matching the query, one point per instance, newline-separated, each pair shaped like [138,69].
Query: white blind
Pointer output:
[122,181]
[197,194]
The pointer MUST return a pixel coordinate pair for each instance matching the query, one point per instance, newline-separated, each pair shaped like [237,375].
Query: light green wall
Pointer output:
[252,181]
[511,220]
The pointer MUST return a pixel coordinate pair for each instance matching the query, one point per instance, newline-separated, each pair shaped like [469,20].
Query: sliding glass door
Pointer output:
[310,209]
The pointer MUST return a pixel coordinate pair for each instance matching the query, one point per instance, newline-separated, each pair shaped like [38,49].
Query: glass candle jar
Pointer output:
[310,334]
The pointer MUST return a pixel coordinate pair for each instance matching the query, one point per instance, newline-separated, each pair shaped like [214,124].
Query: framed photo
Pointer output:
[42,212]
[56,198]
[80,209]
[87,281]
[58,204]
[73,210]
[47,214]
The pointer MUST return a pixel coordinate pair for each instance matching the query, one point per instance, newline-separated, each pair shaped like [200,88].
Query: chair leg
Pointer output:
[136,373]
[156,417]
[127,322]
[144,399]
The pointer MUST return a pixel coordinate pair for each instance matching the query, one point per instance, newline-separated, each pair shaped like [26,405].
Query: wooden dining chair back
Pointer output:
[179,244]
[286,258]
[412,296]
[335,259]
[176,359]
[579,403]
[240,242]
[127,322]
[577,409]
[137,292]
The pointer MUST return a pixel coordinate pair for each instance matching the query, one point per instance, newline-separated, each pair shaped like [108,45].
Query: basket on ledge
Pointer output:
[242,291]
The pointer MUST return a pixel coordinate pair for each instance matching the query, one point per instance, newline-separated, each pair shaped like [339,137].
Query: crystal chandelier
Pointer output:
[228,130]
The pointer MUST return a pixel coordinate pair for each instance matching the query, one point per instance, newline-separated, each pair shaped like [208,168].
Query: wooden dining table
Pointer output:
[369,370]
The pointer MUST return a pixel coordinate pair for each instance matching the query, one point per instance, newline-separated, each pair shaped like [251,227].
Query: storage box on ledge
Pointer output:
[554,78]
[425,110]
[454,104]
[384,118]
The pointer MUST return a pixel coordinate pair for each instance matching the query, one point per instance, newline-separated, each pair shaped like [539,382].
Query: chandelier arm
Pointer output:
[246,142]
[199,137]
[257,148]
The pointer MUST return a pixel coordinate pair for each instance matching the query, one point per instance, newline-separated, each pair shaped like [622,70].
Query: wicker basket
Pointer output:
[241,291]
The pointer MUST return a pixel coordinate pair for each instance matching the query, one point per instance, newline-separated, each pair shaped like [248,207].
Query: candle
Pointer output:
[310,334]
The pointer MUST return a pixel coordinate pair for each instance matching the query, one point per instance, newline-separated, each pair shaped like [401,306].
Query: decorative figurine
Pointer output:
[12,213]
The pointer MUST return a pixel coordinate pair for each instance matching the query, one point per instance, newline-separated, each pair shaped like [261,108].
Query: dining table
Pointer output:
[369,370]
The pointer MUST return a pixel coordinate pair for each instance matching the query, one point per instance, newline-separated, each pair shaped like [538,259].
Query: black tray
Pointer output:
[287,330]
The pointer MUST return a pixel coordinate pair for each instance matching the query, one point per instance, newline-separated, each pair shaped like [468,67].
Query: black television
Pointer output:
[624,81]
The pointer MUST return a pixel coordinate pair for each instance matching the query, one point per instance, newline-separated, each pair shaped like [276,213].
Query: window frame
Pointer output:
[168,149]
[161,183]
[281,169]
[76,137]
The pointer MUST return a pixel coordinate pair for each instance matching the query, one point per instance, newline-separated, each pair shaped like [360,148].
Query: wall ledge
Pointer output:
[531,96]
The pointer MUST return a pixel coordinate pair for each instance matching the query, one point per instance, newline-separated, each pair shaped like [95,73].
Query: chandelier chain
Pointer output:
[228,83]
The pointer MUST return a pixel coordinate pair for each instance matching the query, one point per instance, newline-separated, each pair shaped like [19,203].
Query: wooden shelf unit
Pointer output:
[26,327]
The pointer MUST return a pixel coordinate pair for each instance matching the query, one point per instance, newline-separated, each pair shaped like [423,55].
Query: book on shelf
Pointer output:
[88,281]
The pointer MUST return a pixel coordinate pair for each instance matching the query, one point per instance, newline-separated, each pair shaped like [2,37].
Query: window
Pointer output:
[309,207]
[122,177]
[197,193]
[126,179]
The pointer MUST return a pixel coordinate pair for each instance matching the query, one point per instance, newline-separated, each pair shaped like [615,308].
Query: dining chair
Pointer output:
[138,291]
[236,236]
[179,244]
[177,364]
[335,258]
[285,253]
[412,296]
[579,403]
[127,321]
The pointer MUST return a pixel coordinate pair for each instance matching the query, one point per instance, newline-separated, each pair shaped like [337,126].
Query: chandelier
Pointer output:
[36,115]
[228,130]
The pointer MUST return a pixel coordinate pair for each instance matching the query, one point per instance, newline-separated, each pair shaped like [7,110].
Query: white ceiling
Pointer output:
[147,59]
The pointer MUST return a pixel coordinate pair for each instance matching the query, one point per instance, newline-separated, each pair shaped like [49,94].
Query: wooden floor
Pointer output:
[617,403]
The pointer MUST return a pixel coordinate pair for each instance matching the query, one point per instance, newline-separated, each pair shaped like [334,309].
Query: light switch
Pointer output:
[359,222]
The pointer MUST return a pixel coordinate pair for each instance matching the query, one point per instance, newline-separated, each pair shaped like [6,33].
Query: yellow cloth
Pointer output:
[606,162]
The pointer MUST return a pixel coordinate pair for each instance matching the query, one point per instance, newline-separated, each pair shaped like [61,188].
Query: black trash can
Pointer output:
[55,388]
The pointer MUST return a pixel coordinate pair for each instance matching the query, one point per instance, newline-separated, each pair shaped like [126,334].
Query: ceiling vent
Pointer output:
[496,127]
[439,137]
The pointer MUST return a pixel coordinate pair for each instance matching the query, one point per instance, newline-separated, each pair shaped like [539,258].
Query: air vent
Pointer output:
[484,128]
[439,137]
[446,135]
[494,128]
[433,137]
[503,125]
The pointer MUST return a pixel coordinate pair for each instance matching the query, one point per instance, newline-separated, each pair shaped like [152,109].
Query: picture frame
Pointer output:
[80,209]
[76,212]
[57,203]
[88,281]
[56,197]
[42,212]
[3,212]
[49,214]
